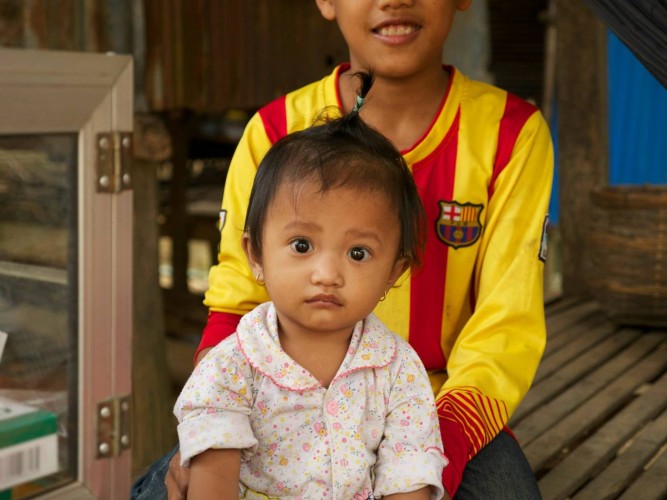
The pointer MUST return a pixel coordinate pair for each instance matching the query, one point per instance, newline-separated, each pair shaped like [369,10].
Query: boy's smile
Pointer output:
[327,258]
[396,30]
[394,38]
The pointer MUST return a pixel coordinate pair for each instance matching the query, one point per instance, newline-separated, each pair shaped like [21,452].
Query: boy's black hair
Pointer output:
[342,151]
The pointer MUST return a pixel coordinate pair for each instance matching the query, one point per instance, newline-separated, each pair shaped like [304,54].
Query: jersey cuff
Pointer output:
[218,327]
[457,449]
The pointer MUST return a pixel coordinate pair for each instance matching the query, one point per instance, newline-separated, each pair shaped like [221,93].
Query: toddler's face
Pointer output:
[327,258]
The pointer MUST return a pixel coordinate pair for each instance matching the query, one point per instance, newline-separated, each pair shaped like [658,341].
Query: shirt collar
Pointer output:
[371,346]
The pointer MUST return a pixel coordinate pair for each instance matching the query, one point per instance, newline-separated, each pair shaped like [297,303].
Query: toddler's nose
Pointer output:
[327,271]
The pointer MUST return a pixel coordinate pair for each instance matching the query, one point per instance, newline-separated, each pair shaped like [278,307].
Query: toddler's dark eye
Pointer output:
[301,246]
[359,254]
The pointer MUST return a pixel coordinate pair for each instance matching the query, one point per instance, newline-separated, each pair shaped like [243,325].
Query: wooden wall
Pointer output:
[211,55]
[518,31]
[63,25]
[202,55]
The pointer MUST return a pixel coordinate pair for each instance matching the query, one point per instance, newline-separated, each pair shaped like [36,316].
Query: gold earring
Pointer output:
[384,296]
[260,279]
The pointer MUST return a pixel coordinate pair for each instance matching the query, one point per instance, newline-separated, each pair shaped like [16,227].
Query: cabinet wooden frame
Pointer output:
[44,92]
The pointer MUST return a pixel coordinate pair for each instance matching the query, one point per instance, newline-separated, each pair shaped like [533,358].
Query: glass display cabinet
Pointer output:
[65,274]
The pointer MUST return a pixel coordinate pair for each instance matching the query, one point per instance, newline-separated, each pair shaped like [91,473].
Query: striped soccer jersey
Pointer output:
[474,310]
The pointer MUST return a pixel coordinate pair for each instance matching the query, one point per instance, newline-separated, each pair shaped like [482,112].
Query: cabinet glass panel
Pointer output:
[38,313]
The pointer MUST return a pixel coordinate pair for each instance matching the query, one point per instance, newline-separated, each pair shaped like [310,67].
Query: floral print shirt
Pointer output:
[371,433]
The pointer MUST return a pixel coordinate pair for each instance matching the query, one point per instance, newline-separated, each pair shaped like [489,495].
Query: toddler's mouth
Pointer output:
[324,299]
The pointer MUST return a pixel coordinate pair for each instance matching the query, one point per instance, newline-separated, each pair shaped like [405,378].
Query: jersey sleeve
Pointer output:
[232,288]
[494,359]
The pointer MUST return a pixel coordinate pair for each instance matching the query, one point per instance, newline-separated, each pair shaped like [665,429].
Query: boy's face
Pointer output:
[394,38]
[327,258]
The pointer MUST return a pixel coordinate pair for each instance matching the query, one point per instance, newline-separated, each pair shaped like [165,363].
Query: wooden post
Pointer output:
[582,132]
[153,425]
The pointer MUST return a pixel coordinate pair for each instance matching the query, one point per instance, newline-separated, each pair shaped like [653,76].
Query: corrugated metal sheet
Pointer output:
[210,55]
[76,25]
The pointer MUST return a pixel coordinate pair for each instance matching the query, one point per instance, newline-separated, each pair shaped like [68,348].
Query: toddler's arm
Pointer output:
[213,423]
[410,454]
[420,494]
[215,474]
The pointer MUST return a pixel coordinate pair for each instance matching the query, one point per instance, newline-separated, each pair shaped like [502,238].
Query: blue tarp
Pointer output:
[637,120]
[637,124]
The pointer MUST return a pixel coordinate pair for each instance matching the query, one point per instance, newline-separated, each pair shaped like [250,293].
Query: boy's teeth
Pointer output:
[396,30]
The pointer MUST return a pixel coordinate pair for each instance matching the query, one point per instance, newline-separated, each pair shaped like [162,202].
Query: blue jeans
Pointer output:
[151,485]
[499,471]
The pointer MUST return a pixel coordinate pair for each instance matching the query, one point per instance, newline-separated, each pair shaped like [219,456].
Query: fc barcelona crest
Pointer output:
[458,224]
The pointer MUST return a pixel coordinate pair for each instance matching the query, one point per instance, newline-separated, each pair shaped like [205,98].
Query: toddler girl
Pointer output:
[313,397]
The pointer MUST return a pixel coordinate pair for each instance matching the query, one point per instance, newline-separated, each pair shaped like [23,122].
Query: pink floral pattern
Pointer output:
[371,433]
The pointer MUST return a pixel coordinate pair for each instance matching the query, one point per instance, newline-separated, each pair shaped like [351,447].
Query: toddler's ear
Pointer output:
[327,9]
[400,266]
[254,261]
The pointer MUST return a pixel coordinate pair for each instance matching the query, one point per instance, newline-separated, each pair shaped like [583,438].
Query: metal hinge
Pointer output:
[114,161]
[113,427]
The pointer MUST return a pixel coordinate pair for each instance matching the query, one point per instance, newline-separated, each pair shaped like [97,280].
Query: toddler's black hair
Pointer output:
[342,151]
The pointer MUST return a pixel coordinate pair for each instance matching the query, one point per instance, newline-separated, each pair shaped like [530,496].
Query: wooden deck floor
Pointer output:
[594,424]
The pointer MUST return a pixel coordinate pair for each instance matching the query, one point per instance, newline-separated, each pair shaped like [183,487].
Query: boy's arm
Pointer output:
[215,474]
[218,327]
[232,288]
[495,357]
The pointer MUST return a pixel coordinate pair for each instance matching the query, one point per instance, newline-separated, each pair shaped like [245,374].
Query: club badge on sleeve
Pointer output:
[221,219]
[543,242]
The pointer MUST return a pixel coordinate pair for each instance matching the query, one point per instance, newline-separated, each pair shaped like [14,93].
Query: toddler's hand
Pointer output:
[177,479]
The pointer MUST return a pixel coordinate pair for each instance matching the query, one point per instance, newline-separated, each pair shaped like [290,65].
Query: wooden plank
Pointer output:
[556,410]
[592,455]
[561,304]
[571,372]
[561,320]
[33,273]
[628,464]
[651,485]
[569,334]
[594,411]
[578,346]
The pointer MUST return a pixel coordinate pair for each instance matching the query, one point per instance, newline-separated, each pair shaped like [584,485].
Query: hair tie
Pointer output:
[358,104]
